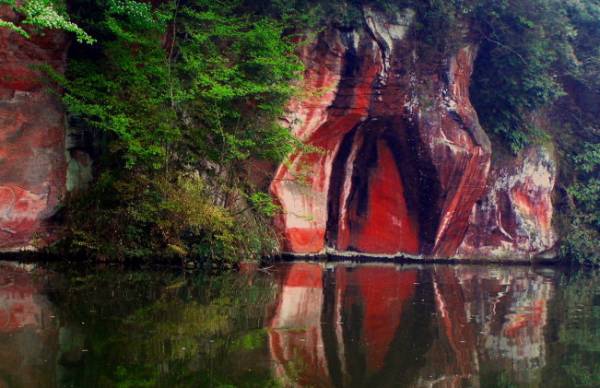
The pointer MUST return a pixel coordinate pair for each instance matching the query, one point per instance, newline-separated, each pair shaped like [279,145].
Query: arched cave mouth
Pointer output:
[383,193]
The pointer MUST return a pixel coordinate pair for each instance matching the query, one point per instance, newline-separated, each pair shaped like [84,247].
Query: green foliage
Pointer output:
[582,242]
[170,92]
[40,15]
[144,217]
[514,74]
[589,160]
[242,87]
[584,16]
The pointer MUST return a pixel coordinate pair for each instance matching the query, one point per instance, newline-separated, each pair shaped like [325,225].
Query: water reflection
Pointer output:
[402,326]
[28,339]
[301,324]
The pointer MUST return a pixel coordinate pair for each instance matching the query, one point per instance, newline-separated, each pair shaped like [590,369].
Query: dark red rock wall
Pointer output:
[399,163]
[402,158]
[32,137]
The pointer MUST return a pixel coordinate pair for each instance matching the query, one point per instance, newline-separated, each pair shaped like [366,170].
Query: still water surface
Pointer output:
[300,324]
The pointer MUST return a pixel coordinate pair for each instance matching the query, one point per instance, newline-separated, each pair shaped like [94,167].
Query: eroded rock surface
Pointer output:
[400,156]
[398,163]
[32,137]
[514,219]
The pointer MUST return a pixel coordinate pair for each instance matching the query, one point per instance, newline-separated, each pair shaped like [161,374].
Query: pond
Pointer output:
[300,324]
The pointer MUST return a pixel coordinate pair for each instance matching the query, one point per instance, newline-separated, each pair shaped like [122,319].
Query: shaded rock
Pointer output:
[32,137]
[514,219]
[398,157]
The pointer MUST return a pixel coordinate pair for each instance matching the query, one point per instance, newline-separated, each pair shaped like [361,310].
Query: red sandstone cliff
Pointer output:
[32,137]
[399,164]
[514,218]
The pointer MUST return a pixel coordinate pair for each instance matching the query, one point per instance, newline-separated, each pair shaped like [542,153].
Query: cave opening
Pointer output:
[382,196]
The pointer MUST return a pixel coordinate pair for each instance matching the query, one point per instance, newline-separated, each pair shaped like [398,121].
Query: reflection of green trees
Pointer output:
[574,335]
[148,329]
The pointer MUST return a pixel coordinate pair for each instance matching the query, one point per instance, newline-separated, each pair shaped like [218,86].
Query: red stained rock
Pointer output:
[514,219]
[322,120]
[386,226]
[32,137]
[403,158]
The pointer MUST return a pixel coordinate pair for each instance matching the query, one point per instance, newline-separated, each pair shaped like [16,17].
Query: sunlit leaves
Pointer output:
[42,15]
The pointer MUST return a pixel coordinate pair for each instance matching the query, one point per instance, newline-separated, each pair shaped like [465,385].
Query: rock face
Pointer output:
[28,333]
[396,160]
[514,219]
[32,137]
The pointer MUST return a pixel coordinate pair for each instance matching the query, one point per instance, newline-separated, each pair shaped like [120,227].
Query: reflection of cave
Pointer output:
[442,326]
[382,193]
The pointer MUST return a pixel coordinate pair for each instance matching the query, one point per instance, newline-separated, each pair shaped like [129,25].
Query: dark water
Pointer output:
[300,325]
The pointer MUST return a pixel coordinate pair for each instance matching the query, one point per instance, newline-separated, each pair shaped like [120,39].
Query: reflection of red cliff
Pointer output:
[28,337]
[479,318]
[296,331]
[295,335]
[18,307]
[384,293]
[459,333]
[512,314]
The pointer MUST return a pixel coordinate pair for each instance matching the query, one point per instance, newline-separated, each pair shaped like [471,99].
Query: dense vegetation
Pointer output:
[174,108]
[178,94]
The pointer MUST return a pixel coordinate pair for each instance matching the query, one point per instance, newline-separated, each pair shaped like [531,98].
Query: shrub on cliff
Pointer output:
[38,15]
[582,240]
[179,99]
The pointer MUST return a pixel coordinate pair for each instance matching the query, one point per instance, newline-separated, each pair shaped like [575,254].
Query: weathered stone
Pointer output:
[32,137]
[401,156]
[514,219]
